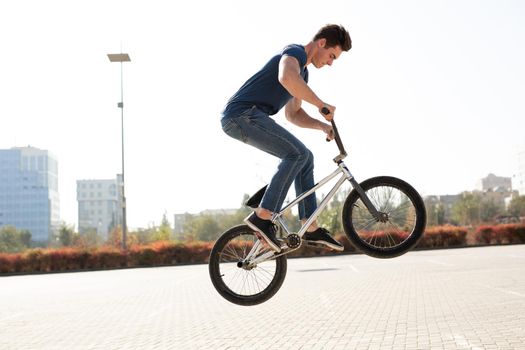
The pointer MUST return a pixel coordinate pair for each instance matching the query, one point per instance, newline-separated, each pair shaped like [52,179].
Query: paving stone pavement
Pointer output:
[442,299]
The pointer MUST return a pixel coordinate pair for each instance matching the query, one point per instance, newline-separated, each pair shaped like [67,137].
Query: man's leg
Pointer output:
[303,182]
[264,133]
[259,130]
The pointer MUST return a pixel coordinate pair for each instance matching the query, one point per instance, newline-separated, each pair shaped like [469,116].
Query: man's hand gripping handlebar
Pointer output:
[342,152]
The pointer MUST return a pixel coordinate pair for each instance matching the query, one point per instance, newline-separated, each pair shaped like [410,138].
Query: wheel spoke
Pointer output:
[256,282]
[246,280]
[368,224]
[390,239]
[265,274]
[233,252]
[235,258]
[398,209]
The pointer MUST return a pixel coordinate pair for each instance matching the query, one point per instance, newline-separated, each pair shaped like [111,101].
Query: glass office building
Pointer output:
[29,191]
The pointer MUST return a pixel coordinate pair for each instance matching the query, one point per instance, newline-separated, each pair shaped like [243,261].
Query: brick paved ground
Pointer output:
[443,299]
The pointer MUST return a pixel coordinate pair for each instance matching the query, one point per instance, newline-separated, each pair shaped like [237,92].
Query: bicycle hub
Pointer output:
[383,217]
[293,240]
[245,265]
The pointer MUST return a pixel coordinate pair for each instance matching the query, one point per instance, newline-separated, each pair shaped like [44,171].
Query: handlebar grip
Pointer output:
[327,139]
[326,111]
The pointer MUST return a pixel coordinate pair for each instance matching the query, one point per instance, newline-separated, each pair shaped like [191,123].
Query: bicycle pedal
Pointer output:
[282,243]
[316,245]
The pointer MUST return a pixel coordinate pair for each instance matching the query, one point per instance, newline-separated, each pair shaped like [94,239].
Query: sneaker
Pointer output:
[265,229]
[322,236]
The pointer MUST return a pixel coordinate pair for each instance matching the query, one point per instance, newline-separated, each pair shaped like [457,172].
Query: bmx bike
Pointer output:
[383,217]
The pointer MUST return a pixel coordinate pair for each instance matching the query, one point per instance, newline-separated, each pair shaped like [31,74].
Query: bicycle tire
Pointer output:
[222,267]
[374,237]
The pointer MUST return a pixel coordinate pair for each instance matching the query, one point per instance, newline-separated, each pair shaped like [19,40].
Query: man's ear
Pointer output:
[321,42]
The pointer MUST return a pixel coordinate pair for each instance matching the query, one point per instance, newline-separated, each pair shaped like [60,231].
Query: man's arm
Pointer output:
[291,79]
[296,115]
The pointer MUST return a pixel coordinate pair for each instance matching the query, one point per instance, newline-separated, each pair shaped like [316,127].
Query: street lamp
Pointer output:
[122,57]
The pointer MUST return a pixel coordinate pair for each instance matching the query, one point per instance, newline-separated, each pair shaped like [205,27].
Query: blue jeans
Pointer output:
[257,129]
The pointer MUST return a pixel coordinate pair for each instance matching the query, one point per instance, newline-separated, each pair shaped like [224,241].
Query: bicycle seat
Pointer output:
[255,200]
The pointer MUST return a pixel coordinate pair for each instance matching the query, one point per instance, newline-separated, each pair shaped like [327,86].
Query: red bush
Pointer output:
[107,257]
[169,253]
[11,263]
[33,260]
[443,236]
[500,234]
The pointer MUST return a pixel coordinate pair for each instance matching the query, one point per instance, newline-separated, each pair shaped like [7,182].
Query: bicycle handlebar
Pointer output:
[342,152]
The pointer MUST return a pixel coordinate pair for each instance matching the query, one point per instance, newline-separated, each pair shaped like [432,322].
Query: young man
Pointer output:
[282,82]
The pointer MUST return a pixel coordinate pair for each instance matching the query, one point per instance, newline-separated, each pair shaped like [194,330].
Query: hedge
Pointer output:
[443,237]
[169,253]
[500,234]
[74,259]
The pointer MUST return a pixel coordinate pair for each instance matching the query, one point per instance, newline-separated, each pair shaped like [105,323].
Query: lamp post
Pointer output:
[122,57]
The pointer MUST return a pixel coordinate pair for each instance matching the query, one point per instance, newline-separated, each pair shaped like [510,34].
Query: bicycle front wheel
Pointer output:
[235,278]
[402,221]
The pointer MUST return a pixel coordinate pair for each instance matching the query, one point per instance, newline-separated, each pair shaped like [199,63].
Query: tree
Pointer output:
[467,210]
[115,237]
[489,209]
[517,206]
[66,235]
[143,236]
[164,232]
[330,219]
[90,238]
[13,240]
[202,227]
[25,238]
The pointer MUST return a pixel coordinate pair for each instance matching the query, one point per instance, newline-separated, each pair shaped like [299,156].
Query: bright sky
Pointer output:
[431,92]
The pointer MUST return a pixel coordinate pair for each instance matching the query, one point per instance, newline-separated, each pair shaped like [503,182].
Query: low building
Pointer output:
[439,208]
[99,205]
[491,182]
[178,225]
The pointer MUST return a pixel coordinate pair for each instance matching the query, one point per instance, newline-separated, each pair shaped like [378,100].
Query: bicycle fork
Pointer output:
[253,258]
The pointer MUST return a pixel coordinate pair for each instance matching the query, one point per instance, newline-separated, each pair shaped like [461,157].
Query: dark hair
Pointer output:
[335,35]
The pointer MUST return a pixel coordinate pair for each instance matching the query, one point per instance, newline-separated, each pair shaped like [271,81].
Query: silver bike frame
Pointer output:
[278,217]
[345,175]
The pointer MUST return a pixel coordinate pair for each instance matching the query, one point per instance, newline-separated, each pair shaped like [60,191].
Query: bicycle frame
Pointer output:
[278,217]
[345,175]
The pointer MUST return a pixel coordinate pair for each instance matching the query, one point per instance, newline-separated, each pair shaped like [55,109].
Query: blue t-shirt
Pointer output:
[264,89]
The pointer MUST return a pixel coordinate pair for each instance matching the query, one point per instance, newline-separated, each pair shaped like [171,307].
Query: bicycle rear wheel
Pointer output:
[235,279]
[402,222]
